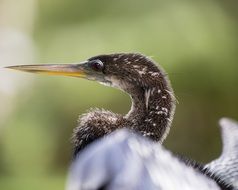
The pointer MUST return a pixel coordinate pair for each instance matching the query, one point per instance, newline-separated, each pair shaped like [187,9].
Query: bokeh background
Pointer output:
[195,41]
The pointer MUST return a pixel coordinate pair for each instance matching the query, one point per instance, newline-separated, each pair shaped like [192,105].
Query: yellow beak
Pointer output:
[74,70]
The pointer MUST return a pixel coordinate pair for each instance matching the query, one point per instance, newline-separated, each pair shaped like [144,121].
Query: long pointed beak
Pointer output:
[74,70]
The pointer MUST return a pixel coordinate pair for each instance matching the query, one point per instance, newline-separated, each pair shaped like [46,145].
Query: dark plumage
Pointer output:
[221,181]
[153,102]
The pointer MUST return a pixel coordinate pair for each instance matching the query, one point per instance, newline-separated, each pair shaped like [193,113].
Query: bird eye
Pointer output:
[97,65]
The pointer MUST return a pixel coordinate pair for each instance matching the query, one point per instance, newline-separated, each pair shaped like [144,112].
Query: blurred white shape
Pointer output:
[124,160]
[16,47]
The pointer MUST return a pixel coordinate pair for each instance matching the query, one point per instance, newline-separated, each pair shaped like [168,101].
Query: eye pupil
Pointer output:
[97,65]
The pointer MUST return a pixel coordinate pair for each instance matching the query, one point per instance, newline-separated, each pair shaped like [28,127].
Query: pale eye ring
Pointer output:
[97,65]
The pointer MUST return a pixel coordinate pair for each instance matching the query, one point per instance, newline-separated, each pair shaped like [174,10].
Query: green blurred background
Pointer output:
[195,41]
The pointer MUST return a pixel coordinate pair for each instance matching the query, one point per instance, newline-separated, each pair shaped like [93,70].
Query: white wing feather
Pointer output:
[124,160]
[227,164]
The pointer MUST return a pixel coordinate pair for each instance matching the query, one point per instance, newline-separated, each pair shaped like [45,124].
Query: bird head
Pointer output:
[121,70]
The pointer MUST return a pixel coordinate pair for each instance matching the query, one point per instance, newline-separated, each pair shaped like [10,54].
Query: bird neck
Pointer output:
[152,110]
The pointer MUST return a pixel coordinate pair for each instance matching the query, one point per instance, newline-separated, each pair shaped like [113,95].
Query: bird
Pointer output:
[125,160]
[153,99]
[143,164]
[153,102]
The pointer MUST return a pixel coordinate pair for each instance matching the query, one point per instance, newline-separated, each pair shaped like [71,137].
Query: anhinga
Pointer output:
[153,101]
[152,97]
[129,161]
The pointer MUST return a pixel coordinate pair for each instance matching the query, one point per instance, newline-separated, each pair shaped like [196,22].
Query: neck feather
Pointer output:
[152,110]
[151,113]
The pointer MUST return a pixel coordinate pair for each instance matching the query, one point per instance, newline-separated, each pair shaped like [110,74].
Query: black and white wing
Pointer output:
[227,164]
[124,160]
